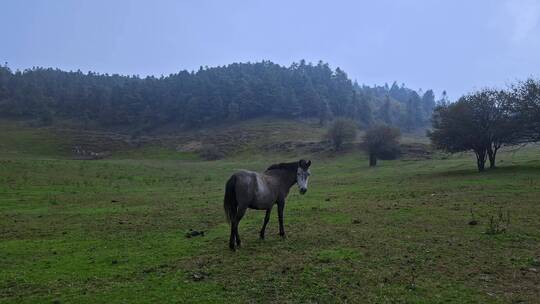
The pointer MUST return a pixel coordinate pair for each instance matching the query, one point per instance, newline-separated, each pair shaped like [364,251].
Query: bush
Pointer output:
[341,131]
[382,142]
[211,152]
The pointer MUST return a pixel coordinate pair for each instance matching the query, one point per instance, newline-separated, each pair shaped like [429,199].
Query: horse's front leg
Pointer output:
[281,207]
[266,219]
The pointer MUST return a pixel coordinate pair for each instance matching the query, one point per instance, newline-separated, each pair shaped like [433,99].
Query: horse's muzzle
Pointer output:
[303,190]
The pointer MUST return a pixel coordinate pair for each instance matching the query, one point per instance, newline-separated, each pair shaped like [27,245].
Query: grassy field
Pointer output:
[100,231]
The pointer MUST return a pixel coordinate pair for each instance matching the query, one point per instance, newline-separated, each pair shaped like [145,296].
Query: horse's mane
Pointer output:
[284,166]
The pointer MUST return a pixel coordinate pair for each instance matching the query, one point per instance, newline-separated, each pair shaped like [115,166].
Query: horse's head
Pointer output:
[302,175]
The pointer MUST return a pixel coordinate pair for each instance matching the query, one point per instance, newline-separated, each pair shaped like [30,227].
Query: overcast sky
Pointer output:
[457,45]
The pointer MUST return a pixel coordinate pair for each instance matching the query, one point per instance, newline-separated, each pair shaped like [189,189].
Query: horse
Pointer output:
[261,191]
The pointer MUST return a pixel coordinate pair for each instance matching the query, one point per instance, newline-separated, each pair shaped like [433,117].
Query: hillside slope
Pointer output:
[251,138]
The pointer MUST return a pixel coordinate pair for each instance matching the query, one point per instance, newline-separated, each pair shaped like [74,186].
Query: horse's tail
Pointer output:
[229,202]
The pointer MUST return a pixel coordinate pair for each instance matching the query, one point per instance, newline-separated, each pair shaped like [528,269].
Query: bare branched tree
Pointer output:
[341,131]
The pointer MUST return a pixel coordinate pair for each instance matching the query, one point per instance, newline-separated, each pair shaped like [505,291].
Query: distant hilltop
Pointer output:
[235,92]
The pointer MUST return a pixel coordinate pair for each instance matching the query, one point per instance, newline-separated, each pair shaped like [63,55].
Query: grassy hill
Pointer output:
[18,138]
[251,138]
[114,229]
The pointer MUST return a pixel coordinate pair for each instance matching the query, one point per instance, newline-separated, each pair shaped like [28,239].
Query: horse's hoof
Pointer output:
[283,237]
[261,237]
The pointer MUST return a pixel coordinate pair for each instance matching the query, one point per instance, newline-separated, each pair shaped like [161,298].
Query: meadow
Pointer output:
[408,231]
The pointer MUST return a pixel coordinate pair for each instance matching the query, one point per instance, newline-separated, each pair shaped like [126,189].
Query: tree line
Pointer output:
[488,119]
[210,95]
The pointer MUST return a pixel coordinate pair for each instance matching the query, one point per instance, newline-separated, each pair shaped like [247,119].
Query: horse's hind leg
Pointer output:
[266,219]
[232,237]
[239,215]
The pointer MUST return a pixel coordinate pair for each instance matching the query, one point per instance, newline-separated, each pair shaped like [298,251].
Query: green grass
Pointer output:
[155,152]
[114,231]
[18,140]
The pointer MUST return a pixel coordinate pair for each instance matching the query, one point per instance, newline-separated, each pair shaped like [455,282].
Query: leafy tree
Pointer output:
[382,142]
[341,131]
[479,122]
[454,130]
[524,104]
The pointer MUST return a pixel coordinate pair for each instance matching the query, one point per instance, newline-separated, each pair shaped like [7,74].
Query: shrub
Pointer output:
[382,142]
[211,152]
[341,131]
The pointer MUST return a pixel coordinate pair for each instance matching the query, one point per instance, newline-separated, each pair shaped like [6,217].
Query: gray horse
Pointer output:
[247,189]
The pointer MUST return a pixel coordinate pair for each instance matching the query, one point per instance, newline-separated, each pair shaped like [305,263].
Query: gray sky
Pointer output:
[457,45]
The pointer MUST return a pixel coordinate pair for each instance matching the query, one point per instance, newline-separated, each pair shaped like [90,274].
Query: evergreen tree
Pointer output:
[207,96]
[428,104]
[385,111]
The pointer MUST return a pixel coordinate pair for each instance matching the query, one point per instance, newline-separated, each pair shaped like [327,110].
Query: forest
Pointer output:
[234,92]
